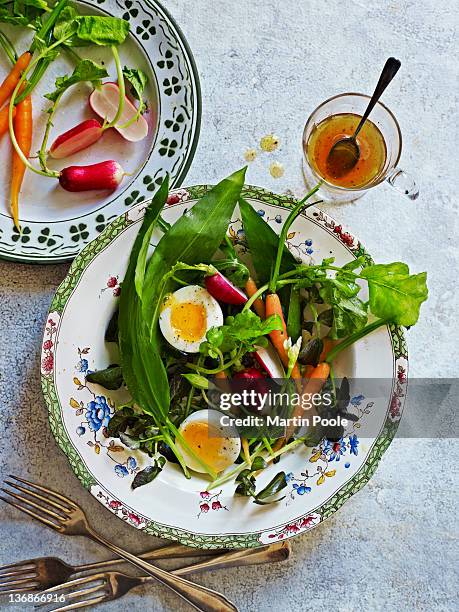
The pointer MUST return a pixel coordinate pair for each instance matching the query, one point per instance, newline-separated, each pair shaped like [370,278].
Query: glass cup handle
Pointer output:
[403,183]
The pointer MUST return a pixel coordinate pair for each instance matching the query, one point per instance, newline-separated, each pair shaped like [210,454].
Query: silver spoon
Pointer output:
[345,153]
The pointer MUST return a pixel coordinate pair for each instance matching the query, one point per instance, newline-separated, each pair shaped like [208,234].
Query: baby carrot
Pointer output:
[258,305]
[4,120]
[10,82]
[328,345]
[314,384]
[278,336]
[23,133]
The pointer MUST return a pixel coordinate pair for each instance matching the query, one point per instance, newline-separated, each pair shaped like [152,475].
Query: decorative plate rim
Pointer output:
[182,40]
[229,540]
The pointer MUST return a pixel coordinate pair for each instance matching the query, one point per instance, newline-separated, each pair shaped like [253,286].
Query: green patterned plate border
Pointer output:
[168,53]
[277,532]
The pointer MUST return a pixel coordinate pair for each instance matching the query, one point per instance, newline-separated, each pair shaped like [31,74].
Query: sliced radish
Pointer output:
[79,137]
[104,175]
[104,102]
[270,361]
[223,290]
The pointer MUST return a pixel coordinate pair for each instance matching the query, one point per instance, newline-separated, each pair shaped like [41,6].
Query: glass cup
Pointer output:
[382,117]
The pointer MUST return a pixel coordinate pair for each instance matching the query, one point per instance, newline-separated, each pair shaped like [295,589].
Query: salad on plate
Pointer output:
[200,318]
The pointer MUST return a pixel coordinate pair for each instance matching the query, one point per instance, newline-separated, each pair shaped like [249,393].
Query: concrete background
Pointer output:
[264,66]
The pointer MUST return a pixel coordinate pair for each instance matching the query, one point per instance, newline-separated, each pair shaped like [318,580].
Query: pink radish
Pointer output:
[79,137]
[104,175]
[104,102]
[223,290]
[269,360]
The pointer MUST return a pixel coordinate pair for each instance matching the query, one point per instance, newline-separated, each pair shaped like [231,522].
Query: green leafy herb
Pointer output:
[258,464]
[137,79]
[197,381]
[81,30]
[141,362]
[246,486]
[110,378]
[263,242]
[244,331]
[278,483]
[148,474]
[395,295]
[85,70]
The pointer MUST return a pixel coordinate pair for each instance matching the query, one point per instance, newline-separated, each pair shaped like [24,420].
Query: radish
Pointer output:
[253,380]
[269,360]
[223,290]
[104,175]
[104,102]
[79,137]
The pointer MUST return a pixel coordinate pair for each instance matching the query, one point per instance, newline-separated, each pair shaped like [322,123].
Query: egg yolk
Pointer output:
[188,320]
[209,447]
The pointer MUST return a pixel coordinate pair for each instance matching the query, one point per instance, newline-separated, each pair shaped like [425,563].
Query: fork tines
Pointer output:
[95,589]
[51,508]
[18,578]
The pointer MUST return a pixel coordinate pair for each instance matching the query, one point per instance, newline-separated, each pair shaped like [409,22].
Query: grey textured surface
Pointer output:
[264,66]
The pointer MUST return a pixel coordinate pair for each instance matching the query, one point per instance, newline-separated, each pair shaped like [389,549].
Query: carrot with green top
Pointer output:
[12,79]
[23,133]
[279,336]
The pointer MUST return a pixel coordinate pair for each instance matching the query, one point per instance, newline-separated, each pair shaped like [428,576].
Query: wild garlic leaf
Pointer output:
[395,295]
[85,70]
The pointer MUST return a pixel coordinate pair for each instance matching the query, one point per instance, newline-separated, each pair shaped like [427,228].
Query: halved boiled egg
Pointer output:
[216,445]
[187,315]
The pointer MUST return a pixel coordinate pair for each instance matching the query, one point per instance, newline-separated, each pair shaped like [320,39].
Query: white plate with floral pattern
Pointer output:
[320,479]
[57,224]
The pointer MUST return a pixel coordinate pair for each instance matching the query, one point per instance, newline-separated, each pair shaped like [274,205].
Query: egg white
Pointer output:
[196,295]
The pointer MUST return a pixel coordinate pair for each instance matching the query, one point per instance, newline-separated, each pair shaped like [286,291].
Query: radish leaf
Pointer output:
[85,70]
[395,295]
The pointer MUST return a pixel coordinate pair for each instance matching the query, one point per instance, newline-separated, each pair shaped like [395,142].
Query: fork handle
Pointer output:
[172,551]
[200,597]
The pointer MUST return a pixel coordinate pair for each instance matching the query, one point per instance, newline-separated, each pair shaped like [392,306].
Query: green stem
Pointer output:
[222,367]
[8,47]
[255,297]
[184,443]
[283,236]
[354,337]
[122,88]
[134,118]
[42,154]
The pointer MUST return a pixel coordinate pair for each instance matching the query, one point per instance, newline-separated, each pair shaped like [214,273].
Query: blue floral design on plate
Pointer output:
[82,365]
[261,212]
[334,450]
[278,219]
[121,470]
[353,444]
[131,463]
[98,413]
[301,489]
[357,400]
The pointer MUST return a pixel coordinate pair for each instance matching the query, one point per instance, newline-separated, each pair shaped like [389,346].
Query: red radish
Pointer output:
[252,380]
[248,373]
[270,361]
[104,102]
[104,175]
[79,137]
[223,290]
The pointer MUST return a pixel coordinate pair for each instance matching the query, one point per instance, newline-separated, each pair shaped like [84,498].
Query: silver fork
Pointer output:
[102,587]
[66,517]
[45,572]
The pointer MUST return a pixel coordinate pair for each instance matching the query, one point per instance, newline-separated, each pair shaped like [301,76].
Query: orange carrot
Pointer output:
[278,336]
[316,381]
[23,133]
[328,345]
[4,120]
[10,82]
[258,305]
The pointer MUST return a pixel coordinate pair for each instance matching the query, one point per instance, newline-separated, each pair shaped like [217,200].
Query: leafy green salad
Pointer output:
[198,311]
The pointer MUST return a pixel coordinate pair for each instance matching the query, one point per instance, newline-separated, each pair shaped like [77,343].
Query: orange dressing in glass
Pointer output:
[370,141]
